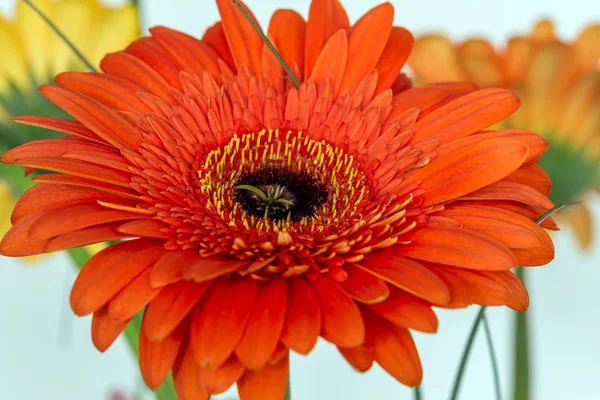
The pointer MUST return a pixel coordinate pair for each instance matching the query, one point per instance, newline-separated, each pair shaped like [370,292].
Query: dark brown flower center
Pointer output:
[280,193]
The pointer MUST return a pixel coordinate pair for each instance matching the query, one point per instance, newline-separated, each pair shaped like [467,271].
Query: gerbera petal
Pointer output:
[267,384]
[133,298]
[265,323]
[104,330]
[75,217]
[215,37]
[112,91]
[169,268]
[367,40]
[459,247]
[408,275]
[204,269]
[192,54]
[75,128]
[466,115]
[361,357]
[145,228]
[404,309]
[395,350]
[332,60]
[155,56]
[512,229]
[105,123]
[219,380]
[364,286]
[504,190]
[341,321]
[325,17]
[108,271]
[303,317]
[157,358]
[16,242]
[218,325]
[586,48]
[244,42]
[170,307]
[467,168]
[393,57]
[433,56]
[84,237]
[287,32]
[580,218]
[185,378]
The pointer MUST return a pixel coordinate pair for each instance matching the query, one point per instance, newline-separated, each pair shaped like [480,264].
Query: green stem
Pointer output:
[465,355]
[417,393]
[521,377]
[288,387]
[80,256]
[493,359]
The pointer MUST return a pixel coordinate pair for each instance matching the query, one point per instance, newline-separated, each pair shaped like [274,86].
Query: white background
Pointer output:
[46,352]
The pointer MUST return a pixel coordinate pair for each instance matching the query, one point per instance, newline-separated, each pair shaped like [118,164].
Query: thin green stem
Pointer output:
[493,359]
[265,39]
[465,355]
[417,393]
[288,387]
[61,35]
[521,377]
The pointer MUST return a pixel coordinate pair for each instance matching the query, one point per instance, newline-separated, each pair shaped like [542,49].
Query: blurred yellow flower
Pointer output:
[35,55]
[559,87]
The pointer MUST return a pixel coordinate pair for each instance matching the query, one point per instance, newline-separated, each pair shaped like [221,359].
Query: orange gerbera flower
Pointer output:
[262,216]
[559,84]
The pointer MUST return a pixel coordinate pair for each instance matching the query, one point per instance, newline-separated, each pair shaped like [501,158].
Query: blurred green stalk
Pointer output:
[521,377]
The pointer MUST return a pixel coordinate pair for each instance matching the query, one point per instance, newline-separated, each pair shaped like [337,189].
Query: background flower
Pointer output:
[559,86]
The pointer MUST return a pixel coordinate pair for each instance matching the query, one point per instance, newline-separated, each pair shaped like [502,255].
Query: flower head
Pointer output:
[261,216]
[559,85]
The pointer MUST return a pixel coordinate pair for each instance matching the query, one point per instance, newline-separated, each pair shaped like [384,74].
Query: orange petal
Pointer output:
[217,327]
[459,247]
[481,63]
[84,237]
[16,242]
[287,32]
[393,58]
[361,357]
[186,378]
[45,197]
[332,60]
[88,183]
[192,54]
[169,268]
[395,350]
[204,269]
[157,358]
[465,169]
[156,58]
[244,42]
[104,122]
[537,144]
[145,227]
[408,275]
[112,91]
[368,37]
[341,322]
[263,330]
[325,17]
[104,330]
[170,307]
[587,51]
[466,115]
[70,127]
[109,271]
[75,217]
[510,228]
[134,69]
[404,309]
[215,37]
[133,298]
[267,384]
[364,286]
[219,380]
[504,190]
[303,317]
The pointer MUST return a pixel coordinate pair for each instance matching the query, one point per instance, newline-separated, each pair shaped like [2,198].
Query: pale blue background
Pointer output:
[46,352]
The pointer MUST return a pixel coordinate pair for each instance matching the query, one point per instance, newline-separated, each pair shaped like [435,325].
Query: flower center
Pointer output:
[281,181]
[280,193]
